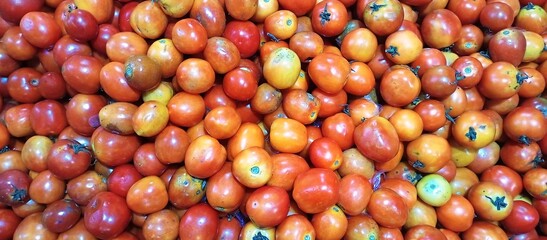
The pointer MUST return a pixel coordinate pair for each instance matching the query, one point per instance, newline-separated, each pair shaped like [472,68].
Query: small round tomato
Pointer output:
[474,129]
[316,190]
[355,191]
[523,218]
[204,157]
[268,206]
[281,68]
[106,215]
[330,224]
[428,153]
[457,214]
[147,195]
[377,139]
[329,71]
[387,208]
[252,167]
[490,201]
[200,221]
[328,18]
[224,192]
[434,190]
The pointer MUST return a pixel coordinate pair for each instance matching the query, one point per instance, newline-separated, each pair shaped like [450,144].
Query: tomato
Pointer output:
[505,177]
[534,182]
[32,226]
[106,215]
[40,29]
[199,221]
[471,41]
[301,106]
[421,214]
[251,230]
[483,229]
[367,135]
[122,178]
[268,206]
[428,153]
[82,111]
[523,218]
[286,130]
[9,222]
[362,227]
[186,110]
[424,232]
[434,190]
[524,124]
[319,184]
[404,188]
[490,201]
[83,188]
[222,54]
[403,47]
[296,226]
[15,187]
[229,227]
[355,191]
[359,44]
[61,215]
[399,87]
[281,60]
[163,224]
[184,190]
[189,36]
[252,167]
[440,28]
[330,224]
[224,192]
[457,214]
[204,157]
[531,18]
[340,128]
[329,71]
[383,17]
[384,205]
[328,18]
[496,16]
[330,104]
[148,20]
[103,142]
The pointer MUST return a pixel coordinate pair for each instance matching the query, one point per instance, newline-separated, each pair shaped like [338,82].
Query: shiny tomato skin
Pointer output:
[377,139]
[199,222]
[387,208]
[316,190]
[268,206]
[14,187]
[106,215]
[9,222]
[523,218]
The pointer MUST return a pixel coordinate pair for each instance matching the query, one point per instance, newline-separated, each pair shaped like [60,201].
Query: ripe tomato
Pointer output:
[490,201]
[330,224]
[106,215]
[355,191]
[421,214]
[362,227]
[295,226]
[281,68]
[224,192]
[383,17]
[523,218]
[329,71]
[268,206]
[399,87]
[316,189]
[534,183]
[377,139]
[15,187]
[185,190]
[440,28]
[288,135]
[403,47]
[328,18]
[483,229]
[199,222]
[525,124]
[204,157]
[457,214]
[474,129]
[387,208]
[428,153]
[147,195]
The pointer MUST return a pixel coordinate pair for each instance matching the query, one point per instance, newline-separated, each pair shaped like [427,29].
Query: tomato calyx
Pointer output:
[459,76]
[259,236]
[392,50]
[447,115]
[78,147]
[498,202]
[325,15]
[19,195]
[4,149]
[471,134]
[529,6]
[521,77]
[485,53]
[376,7]
[538,159]
[418,164]
[415,70]
[272,37]
[524,140]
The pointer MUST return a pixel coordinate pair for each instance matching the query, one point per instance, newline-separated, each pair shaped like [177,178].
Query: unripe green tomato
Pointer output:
[434,190]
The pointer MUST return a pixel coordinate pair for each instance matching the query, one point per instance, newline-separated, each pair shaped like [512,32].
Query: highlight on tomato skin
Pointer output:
[273,119]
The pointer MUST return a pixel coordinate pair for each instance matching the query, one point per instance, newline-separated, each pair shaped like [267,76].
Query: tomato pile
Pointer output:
[273,119]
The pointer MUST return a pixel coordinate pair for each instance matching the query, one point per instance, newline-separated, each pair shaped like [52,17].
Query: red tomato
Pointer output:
[316,190]
[199,222]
